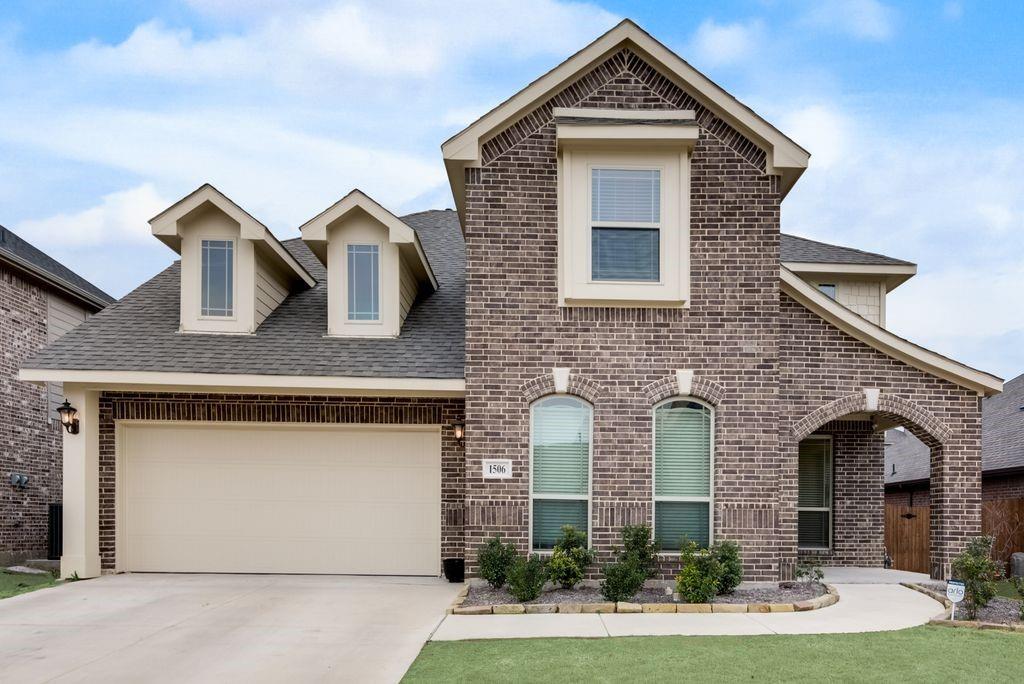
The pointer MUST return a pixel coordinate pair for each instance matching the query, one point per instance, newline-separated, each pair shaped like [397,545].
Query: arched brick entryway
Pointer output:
[854,419]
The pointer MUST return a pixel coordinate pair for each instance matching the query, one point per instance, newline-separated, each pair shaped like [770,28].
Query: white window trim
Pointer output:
[625,225]
[576,286]
[563,497]
[710,499]
[379,321]
[234,278]
[830,509]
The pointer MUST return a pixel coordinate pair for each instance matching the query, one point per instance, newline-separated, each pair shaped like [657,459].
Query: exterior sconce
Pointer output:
[459,431]
[68,417]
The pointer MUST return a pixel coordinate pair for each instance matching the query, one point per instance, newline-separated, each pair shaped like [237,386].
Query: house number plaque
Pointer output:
[497,468]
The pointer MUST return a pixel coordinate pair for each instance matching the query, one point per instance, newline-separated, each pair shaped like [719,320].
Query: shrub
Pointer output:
[570,558]
[979,573]
[526,578]
[622,579]
[728,555]
[640,548]
[701,575]
[809,572]
[1018,584]
[495,559]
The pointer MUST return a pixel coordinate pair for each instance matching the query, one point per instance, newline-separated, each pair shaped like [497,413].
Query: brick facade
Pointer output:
[782,371]
[116,406]
[993,488]
[30,442]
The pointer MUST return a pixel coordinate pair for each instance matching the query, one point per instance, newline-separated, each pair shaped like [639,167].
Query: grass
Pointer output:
[14,583]
[921,654]
[1005,588]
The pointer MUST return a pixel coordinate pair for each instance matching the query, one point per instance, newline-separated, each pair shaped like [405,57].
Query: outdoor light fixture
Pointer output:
[459,430]
[68,417]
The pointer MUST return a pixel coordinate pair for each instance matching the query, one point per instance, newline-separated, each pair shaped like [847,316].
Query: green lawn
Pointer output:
[12,584]
[1005,588]
[922,654]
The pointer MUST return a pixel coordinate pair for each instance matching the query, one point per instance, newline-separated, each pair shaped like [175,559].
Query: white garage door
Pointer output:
[282,499]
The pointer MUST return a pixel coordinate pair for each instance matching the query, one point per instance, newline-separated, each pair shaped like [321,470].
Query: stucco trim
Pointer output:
[884,341]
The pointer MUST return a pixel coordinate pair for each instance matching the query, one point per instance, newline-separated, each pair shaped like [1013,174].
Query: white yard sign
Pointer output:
[497,468]
[955,593]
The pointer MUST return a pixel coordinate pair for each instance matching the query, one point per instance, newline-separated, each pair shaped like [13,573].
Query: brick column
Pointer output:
[955,507]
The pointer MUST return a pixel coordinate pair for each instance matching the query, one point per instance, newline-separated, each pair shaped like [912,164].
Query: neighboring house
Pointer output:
[40,300]
[609,330]
[1002,453]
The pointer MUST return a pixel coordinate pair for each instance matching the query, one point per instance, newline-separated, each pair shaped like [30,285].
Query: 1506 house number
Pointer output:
[497,468]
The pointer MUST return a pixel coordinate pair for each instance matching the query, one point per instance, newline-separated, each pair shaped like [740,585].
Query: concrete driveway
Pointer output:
[216,628]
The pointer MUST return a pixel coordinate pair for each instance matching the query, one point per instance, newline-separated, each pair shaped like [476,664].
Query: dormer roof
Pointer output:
[166,227]
[314,232]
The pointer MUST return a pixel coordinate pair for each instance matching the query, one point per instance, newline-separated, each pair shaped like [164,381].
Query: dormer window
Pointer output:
[363,282]
[218,278]
[625,228]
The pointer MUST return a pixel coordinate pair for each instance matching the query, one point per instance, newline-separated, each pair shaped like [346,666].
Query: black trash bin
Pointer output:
[455,569]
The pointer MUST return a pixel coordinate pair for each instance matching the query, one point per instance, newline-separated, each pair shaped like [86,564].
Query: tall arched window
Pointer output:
[683,472]
[559,468]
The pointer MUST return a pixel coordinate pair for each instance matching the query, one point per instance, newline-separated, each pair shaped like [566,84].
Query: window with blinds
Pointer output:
[560,462]
[683,480]
[814,499]
[625,232]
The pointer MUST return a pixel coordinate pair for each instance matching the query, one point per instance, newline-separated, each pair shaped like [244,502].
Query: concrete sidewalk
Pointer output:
[861,608]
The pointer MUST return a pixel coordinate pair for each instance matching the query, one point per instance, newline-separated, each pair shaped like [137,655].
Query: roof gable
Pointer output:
[783,156]
[28,258]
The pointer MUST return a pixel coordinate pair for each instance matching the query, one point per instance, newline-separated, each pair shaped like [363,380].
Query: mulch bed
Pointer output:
[1001,610]
[787,592]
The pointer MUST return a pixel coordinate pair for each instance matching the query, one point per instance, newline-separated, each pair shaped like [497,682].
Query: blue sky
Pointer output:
[913,112]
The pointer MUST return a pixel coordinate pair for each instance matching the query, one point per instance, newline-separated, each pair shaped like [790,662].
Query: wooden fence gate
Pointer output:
[906,537]
[906,532]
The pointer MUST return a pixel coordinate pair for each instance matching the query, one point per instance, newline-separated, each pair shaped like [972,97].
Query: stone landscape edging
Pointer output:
[830,597]
[942,619]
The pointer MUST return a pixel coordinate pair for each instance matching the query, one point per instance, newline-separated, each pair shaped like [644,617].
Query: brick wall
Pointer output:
[516,332]
[910,496]
[116,406]
[858,513]
[30,442]
[993,487]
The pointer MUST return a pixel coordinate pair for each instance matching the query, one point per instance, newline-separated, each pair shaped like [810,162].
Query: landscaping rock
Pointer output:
[473,610]
[625,607]
[597,607]
[801,606]
[781,607]
[659,607]
[25,570]
[759,608]
[534,608]
[729,608]
[570,607]
[509,609]
[694,608]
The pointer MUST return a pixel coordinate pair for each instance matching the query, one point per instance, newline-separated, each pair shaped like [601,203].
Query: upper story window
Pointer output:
[218,278]
[828,289]
[625,228]
[363,264]
[683,473]
[560,468]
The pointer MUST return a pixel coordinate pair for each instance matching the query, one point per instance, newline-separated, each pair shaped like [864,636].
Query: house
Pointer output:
[40,301]
[907,474]
[608,330]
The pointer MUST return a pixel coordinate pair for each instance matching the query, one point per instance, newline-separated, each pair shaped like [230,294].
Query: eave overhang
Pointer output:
[894,275]
[69,289]
[886,342]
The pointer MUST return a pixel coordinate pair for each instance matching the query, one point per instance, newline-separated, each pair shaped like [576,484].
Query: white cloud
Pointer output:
[717,44]
[120,217]
[864,19]
[821,129]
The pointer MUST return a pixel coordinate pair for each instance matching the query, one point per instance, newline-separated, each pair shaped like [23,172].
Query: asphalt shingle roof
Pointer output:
[140,332]
[19,250]
[800,249]
[1002,439]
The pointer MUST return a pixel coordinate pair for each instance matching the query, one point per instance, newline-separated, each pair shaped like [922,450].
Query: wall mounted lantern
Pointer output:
[68,417]
[459,431]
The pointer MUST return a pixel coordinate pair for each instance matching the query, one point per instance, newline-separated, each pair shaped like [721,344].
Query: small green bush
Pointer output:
[978,571]
[526,578]
[570,559]
[495,559]
[701,575]
[641,548]
[809,572]
[623,579]
[1018,584]
[727,553]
